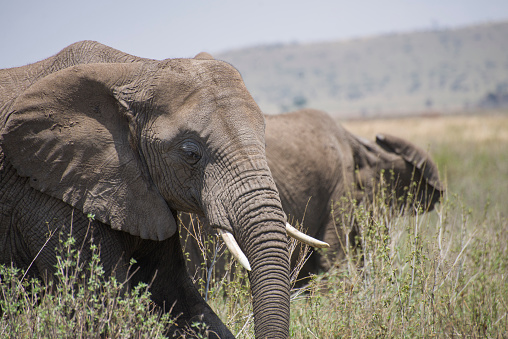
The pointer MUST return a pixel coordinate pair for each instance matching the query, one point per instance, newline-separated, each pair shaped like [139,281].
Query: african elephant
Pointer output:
[129,142]
[315,162]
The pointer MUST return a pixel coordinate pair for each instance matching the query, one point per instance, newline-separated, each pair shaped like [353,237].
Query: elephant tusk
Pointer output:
[234,248]
[306,239]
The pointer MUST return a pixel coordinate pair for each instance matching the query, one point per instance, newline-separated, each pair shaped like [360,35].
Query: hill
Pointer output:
[396,74]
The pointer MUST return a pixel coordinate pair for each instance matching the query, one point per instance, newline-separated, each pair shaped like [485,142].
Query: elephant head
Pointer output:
[423,170]
[133,143]
[412,169]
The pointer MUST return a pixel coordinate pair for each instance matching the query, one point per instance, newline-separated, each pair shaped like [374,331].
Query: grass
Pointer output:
[79,302]
[441,274]
[430,276]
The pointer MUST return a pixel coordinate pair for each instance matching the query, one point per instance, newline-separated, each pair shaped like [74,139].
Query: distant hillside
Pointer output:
[444,70]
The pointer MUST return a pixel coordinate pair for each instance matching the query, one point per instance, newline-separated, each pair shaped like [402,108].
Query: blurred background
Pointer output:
[353,59]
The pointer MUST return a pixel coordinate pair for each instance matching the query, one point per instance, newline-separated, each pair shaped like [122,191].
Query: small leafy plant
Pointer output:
[78,302]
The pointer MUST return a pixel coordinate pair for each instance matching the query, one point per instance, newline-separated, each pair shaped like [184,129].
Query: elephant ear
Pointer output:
[74,141]
[413,155]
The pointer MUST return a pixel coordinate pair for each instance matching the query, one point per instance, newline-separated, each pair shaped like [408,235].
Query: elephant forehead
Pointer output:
[205,107]
[188,75]
[214,127]
[207,97]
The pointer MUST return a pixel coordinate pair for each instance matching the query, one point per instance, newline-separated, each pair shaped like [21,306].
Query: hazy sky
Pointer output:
[31,30]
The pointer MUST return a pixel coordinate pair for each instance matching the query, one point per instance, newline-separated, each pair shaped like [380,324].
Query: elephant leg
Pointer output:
[334,236]
[162,265]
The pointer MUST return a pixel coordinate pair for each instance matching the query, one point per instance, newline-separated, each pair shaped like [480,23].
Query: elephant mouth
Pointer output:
[222,228]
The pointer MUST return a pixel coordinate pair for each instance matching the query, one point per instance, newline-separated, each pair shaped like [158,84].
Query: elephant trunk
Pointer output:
[264,241]
[269,281]
[257,222]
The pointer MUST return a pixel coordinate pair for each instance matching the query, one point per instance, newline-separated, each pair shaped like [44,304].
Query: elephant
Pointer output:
[316,163]
[109,147]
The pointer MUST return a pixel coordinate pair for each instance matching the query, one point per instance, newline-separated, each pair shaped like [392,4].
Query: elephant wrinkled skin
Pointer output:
[315,163]
[132,141]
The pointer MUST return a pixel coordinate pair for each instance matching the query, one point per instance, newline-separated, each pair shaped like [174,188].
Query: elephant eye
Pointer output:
[191,152]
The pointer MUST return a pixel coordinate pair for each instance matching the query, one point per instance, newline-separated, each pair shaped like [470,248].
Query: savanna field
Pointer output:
[441,274]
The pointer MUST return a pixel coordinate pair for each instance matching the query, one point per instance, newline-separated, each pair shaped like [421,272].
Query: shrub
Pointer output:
[79,302]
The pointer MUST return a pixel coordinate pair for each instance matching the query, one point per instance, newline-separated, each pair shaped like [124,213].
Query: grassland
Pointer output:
[441,274]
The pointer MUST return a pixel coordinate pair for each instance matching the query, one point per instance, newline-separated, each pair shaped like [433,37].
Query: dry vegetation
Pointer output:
[435,130]
[441,274]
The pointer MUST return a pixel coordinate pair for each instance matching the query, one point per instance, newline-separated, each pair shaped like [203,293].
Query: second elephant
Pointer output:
[316,163]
